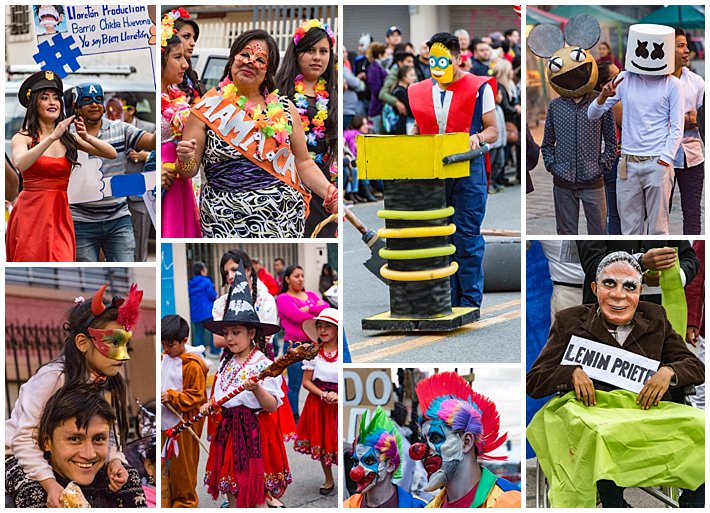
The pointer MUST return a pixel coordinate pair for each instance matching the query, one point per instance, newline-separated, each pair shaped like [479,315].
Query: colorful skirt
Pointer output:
[243,462]
[284,416]
[317,432]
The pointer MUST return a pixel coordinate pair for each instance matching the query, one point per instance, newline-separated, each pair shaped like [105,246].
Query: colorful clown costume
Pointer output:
[376,463]
[461,427]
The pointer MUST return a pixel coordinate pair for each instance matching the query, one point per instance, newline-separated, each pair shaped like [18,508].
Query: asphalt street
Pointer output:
[493,338]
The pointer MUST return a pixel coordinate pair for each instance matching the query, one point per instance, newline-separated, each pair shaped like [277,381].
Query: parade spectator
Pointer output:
[279,266]
[328,277]
[376,75]
[397,107]
[406,76]
[352,86]
[481,64]
[464,39]
[40,227]
[497,152]
[358,125]
[421,63]
[265,276]
[307,76]
[606,56]
[689,161]
[393,38]
[235,184]
[512,36]
[202,294]
[510,105]
[135,163]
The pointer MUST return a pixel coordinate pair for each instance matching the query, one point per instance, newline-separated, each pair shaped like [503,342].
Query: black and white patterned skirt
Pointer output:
[274,212]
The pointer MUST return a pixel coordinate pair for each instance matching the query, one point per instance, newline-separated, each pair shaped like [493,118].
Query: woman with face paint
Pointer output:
[95,353]
[180,216]
[308,77]
[620,321]
[40,228]
[250,194]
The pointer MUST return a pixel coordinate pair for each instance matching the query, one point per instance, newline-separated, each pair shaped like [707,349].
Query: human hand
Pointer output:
[117,475]
[657,259]
[652,278]
[137,156]
[186,150]
[331,397]
[167,175]
[164,397]
[655,388]
[251,385]
[609,89]
[304,308]
[205,409]
[54,491]
[401,108]
[583,387]
[81,128]
[62,127]
[691,335]
[474,142]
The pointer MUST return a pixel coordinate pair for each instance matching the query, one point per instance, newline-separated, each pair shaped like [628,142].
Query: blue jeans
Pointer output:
[114,237]
[468,197]
[613,226]
[295,379]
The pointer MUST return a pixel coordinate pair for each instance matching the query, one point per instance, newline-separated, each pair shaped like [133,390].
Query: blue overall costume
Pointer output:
[467,195]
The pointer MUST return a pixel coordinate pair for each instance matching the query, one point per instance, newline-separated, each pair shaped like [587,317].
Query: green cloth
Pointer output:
[673,298]
[578,445]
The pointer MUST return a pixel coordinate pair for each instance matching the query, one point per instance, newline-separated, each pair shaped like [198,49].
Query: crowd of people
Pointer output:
[280,178]
[637,136]
[68,433]
[45,153]
[376,81]
[247,461]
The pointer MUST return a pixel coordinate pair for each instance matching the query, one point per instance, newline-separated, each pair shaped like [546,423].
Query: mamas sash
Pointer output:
[234,126]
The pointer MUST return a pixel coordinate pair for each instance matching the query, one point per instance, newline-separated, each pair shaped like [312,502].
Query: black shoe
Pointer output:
[327,491]
[366,192]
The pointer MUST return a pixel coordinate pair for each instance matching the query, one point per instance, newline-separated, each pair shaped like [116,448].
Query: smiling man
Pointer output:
[652,125]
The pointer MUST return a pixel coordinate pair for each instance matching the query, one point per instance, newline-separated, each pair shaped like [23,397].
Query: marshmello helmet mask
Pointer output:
[650,50]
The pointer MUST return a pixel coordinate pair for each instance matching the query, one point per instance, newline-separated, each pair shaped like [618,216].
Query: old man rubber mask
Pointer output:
[441,64]
[650,50]
[571,70]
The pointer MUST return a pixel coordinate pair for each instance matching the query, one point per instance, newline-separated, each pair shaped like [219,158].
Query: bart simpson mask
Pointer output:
[441,64]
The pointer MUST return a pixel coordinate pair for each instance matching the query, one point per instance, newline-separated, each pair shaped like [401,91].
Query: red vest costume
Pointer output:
[463,103]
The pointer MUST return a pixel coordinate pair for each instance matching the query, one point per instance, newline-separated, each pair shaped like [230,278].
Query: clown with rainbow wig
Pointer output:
[460,427]
[376,465]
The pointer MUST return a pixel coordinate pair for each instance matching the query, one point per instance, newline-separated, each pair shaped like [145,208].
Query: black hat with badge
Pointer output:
[240,310]
[38,81]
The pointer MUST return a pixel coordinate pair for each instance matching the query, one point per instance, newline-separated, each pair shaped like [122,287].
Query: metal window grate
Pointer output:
[19,20]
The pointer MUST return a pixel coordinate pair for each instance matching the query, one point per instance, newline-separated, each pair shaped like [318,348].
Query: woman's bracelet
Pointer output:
[187,166]
[331,199]
[322,395]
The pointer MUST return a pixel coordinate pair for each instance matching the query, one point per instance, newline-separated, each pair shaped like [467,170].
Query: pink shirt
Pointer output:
[292,316]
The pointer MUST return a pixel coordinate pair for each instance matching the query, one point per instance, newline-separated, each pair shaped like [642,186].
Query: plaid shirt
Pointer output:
[123,137]
[572,145]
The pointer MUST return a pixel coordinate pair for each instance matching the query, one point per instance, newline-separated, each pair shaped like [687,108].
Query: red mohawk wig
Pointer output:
[435,396]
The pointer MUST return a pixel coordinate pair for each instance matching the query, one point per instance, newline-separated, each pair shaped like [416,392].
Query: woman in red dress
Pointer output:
[40,228]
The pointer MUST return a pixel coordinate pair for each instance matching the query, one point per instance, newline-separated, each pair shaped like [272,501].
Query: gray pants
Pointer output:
[567,210]
[141,228]
[644,194]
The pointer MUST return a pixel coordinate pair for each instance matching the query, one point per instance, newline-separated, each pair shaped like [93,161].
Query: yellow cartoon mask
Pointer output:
[441,64]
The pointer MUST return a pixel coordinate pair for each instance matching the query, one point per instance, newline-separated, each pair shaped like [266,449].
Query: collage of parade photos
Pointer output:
[347,294]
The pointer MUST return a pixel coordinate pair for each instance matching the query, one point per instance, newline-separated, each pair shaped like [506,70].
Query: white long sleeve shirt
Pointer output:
[691,147]
[652,120]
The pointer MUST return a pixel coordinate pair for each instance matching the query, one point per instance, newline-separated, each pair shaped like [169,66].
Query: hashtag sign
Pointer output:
[59,56]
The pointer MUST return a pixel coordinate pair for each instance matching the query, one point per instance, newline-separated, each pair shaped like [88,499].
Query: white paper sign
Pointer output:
[610,364]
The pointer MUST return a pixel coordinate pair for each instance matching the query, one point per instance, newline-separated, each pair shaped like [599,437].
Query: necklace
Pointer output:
[236,375]
[271,121]
[175,109]
[329,357]
[315,126]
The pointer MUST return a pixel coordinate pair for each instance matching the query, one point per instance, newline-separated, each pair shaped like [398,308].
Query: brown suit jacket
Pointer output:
[652,337]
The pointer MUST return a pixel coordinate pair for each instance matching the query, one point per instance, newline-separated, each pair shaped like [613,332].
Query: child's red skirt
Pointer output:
[317,432]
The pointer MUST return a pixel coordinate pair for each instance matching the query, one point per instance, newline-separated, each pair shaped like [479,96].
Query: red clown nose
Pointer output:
[418,451]
[357,474]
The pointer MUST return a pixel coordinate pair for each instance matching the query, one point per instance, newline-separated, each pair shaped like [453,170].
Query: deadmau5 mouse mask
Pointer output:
[113,343]
[571,70]
[650,50]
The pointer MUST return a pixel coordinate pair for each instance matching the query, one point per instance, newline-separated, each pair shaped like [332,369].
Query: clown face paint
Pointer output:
[111,343]
[446,452]
[368,469]
[441,64]
[253,53]
[650,50]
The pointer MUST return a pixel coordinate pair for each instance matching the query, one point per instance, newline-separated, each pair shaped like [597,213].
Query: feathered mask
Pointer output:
[112,343]
[449,397]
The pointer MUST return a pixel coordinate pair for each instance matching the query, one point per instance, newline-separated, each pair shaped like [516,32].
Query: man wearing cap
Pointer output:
[393,37]
[401,58]
[135,163]
[457,101]
[105,224]
[652,128]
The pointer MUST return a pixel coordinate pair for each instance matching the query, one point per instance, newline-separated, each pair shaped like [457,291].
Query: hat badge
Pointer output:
[49,75]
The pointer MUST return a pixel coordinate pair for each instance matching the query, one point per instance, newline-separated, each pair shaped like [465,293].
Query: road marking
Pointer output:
[431,339]
[377,340]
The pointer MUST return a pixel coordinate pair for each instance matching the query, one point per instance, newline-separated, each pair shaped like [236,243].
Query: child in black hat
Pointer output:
[241,463]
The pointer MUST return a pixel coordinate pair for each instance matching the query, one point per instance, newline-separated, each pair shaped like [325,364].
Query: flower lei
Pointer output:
[316,126]
[308,25]
[175,109]
[272,121]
